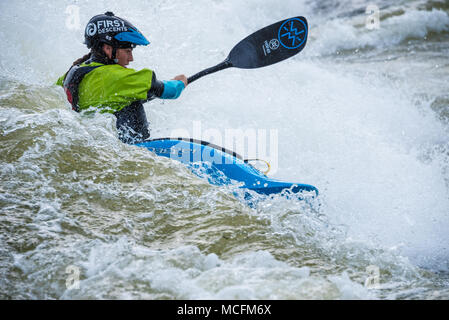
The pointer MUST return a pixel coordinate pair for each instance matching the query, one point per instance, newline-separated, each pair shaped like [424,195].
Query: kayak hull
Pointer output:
[222,167]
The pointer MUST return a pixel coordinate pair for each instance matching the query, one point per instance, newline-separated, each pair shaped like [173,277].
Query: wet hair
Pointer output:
[96,51]
[82,59]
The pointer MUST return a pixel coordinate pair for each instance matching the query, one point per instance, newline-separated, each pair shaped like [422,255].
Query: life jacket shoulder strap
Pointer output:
[72,82]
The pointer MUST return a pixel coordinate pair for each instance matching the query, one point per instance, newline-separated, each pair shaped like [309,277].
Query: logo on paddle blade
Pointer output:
[268,47]
[274,44]
[292,33]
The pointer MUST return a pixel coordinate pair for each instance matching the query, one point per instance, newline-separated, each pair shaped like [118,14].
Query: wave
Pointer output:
[341,34]
[72,194]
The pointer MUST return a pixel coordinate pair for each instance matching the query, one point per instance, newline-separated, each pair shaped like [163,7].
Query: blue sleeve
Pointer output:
[172,89]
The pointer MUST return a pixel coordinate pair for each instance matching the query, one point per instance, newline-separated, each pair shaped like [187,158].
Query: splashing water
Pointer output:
[361,114]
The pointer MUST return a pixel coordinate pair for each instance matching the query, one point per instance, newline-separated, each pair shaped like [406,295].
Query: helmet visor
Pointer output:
[132,36]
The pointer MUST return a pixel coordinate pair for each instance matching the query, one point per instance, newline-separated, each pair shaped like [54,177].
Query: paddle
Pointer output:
[265,47]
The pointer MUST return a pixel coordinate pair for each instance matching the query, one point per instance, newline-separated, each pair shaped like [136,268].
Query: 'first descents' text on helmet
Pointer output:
[110,29]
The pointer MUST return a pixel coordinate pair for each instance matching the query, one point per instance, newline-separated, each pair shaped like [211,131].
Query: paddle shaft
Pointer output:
[224,65]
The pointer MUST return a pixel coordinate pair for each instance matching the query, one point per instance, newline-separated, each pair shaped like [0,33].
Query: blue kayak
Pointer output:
[222,167]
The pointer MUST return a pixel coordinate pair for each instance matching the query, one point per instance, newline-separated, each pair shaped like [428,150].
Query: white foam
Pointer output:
[186,273]
[358,137]
[341,34]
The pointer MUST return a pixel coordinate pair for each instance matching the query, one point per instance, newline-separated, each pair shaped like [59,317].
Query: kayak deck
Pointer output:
[221,166]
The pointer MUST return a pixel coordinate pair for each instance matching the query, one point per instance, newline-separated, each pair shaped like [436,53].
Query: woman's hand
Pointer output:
[182,78]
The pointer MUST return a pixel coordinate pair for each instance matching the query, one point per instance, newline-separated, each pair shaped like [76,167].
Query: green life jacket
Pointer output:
[109,88]
[114,89]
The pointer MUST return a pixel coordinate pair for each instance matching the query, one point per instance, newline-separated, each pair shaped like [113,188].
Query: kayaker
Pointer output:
[101,80]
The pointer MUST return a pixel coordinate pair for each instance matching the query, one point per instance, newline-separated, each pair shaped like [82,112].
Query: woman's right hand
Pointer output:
[182,78]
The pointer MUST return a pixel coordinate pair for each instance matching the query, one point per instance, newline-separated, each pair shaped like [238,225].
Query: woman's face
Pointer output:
[124,56]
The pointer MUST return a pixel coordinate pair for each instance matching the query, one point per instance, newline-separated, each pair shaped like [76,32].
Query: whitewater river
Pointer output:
[362,113]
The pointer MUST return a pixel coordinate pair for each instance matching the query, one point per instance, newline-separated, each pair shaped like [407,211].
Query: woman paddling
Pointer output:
[101,80]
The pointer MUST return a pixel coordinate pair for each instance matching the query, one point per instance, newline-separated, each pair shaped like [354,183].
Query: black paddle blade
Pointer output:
[271,44]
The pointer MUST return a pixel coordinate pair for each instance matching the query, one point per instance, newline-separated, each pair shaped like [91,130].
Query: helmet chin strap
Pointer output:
[114,52]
